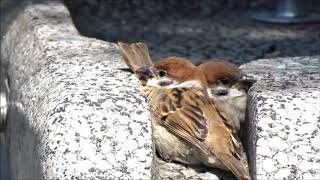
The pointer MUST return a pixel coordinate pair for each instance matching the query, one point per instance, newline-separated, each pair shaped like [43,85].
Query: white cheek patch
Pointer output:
[232,93]
[153,82]
[235,93]
[186,84]
[217,92]
[211,95]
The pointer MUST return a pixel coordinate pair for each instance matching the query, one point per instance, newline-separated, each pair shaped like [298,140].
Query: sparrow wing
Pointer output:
[189,114]
[226,145]
[230,118]
[179,111]
[230,124]
[136,55]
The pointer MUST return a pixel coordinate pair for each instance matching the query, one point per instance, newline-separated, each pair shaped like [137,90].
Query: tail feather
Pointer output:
[235,166]
[136,55]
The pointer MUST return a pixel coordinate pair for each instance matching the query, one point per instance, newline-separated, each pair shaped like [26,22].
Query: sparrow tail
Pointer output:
[136,55]
[234,165]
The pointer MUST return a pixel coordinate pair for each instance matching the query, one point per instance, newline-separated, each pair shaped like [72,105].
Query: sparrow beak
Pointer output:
[145,73]
[245,83]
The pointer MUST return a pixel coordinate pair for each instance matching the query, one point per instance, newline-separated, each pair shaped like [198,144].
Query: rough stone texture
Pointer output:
[285,118]
[207,29]
[77,115]
[172,170]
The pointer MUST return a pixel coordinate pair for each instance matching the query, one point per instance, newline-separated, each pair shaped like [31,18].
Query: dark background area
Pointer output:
[198,30]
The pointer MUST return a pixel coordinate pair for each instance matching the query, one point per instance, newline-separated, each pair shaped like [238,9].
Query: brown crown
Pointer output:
[180,69]
[218,70]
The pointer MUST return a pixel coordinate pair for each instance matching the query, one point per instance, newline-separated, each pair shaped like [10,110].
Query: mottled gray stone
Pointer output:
[172,170]
[284,114]
[77,115]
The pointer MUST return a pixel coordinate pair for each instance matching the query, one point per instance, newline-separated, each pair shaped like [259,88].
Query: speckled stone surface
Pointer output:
[173,170]
[209,30]
[77,115]
[284,118]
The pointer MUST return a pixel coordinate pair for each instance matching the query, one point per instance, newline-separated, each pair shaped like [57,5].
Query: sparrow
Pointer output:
[228,89]
[187,127]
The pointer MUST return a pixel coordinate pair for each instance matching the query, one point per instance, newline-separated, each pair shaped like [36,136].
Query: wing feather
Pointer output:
[136,55]
[183,116]
[191,122]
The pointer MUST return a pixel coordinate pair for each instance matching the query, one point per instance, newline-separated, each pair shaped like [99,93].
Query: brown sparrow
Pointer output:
[228,90]
[186,125]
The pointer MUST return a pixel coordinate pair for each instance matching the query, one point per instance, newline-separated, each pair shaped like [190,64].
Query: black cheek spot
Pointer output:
[164,83]
[221,92]
[163,118]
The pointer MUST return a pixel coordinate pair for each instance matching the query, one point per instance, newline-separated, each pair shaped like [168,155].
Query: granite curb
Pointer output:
[284,118]
[79,115]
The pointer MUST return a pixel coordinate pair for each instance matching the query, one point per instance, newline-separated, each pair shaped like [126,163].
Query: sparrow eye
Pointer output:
[225,81]
[162,73]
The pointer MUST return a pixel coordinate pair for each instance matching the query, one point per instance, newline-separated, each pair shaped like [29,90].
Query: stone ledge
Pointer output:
[284,113]
[80,116]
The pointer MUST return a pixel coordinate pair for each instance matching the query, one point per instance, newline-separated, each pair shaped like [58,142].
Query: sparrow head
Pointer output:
[225,79]
[220,72]
[174,72]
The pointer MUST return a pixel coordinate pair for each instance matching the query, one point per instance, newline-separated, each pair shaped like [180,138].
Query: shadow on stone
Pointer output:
[248,136]
[206,30]
[175,170]
[23,152]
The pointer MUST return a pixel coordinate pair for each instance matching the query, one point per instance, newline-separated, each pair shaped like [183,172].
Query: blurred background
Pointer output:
[219,29]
